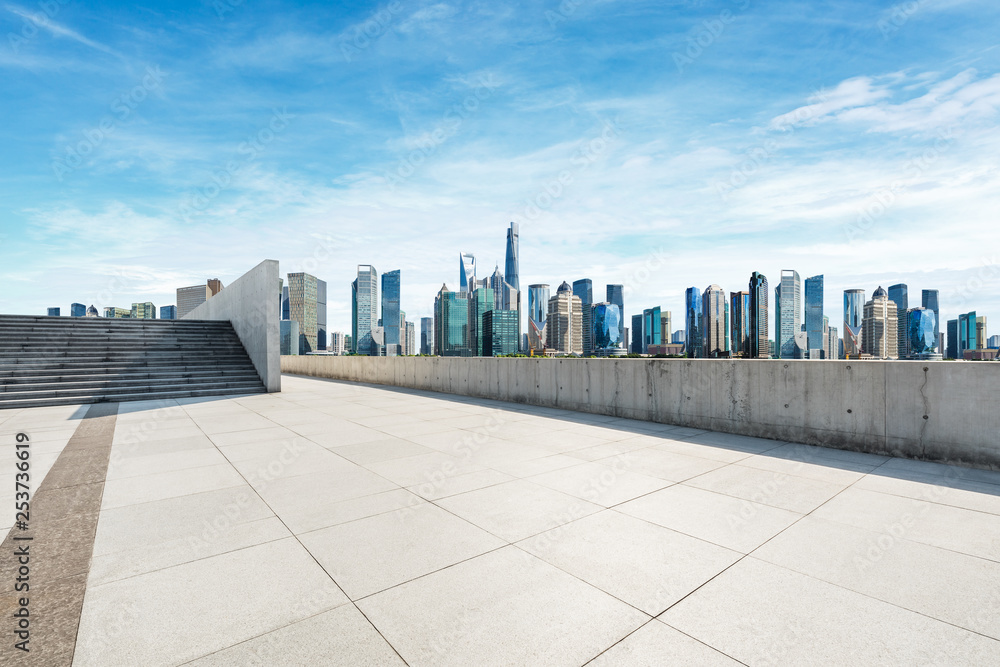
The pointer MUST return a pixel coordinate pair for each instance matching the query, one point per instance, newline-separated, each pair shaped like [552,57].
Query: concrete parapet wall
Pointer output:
[251,304]
[938,411]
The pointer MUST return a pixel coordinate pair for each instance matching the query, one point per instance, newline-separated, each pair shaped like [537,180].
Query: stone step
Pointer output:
[115,398]
[102,386]
[129,391]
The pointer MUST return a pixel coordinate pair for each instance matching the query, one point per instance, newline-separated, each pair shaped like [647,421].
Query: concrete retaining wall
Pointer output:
[940,411]
[251,304]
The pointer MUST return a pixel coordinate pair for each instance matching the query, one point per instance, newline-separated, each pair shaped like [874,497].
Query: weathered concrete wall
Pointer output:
[251,304]
[943,411]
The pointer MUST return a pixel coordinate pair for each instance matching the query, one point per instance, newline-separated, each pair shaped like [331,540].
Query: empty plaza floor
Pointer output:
[346,524]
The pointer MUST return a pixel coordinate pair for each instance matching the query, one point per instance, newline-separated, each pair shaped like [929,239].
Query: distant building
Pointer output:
[364,309]
[289,337]
[637,334]
[981,335]
[993,342]
[666,322]
[694,335]
[816,338]
[117,313]
[565,322]
[77,310]
[53,312]
[411,339]
[616,294]
[760,344]
[584,288]
[499,333]
[898,294]
[511,271]
[854,313]
[337,342]
[538,313]
[395,327]
[303,293]
[833,344]
[168,312]
[189,298]
[467,273]
[677,336]
[980,355]
[451,324]
[481,302]
[715,322]
[788,312]
[427,335]
[929,300]
[284,303]
[652,328]
[321,329]
[880,321]
[92,311]
[951,351]
[921,324]
[605,318]
[143,311]
[739,323]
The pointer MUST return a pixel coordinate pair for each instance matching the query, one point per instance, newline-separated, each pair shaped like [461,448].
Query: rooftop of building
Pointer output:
[338,523]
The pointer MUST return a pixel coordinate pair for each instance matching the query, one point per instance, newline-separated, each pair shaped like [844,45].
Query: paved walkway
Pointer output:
[341,524]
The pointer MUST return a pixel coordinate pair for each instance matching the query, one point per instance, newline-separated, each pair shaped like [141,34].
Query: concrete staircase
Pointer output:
[76,360]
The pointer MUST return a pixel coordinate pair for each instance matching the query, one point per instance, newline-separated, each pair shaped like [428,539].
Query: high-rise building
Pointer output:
[666,322]
[921,323]
[303,293]
[53,312]
[760,344]
[499,333]
[605,318]
[427,335]
[788,312]
[715,322]
[364,309]
[565,322]
[338,342]
[652,328]
[538,313]
[391,321]
[289,337]
[451,323]
[284,302]
[677,336]
[966,334]
[189,298]
[143,311]
[981,335]
[481,303]
[77,310]
[168,312]
[117,313]
[880,321]
[816,338]
[695,322]
[467,273]
[899,295]
[511,271]
[584,288]
[993,342]
[637,334]
[321,331]
[616,294]
[854,313]
[952,349]
[833,345]
[739,323]
[929,300]
[411,339]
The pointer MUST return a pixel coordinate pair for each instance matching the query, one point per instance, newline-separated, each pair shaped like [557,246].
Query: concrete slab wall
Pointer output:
[939,411]
[251,304]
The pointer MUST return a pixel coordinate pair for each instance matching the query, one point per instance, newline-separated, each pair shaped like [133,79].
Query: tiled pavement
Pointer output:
[343,524]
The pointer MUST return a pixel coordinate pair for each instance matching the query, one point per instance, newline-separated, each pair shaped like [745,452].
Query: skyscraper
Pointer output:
[854,312]
[652,328]
[189,298]
[168,312]
[636,332]
[451,323]
[143,311]
[511,273]
[920,330]
[616,295]
[833,344]
[715,318]
[411,338]
[321,331]
[117,313]
[499,333]
[880,322]
[77,310]
[364,309]
[815,336]
[966,333]
[289,337]
[760,343]
[394,332]
[302,300]
[929,300]
[538,313]
[952,351]
[564,324]
[482,302]
[584,288]
[606,318]
[788,312]
[981,334]
[666,321]
[695,332]
[427,335]
[466,273]
[53,312]
[899,295]
[739,323]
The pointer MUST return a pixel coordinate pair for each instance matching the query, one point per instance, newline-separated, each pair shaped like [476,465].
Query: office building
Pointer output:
[427,335]
[338,343]
[377,348]
[584,289]
[921,324]
[616,294]
[117,313]
[993,342]
[143,311]
[364,309]
[929,300]
[482,302]
[451,323]
[951,351]
[666,322]
[511,272]
[289,337]
[898,294]
[966,334]
[77,310]
[606,319]
[854,313]
[637,334]
[564,323]
[760,344]
[833,344]
[981,335]
[879,323]
[652,328]
[303,293]
[189,298]
[816,339]
[677,336]
[694,335]
[499,333]
[538,313]
[411,339]
[168,312]
[715,322]
[395,331]
[53,312]
[739,323]
[788,312]
[322,338]
[467,273]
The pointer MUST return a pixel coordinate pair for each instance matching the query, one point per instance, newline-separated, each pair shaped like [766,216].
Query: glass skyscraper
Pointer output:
[168,312]
[482,302]
[788,309]
[694,329]
[499,332]
[921,326]
[760,343]
[143,311]
[715,322]
[427,335]
[739,323]
[364,309]
[652,328]
[854,313]
[53,312]
[606,319]
[952,352]
[77,310]
[584,289]
[636,333]
[390,312]
[538,314]
[616,295]
[929,300]
[815,333]
[451,324]
[467,273]
[899,295]
[302,299]
[321,330]
[511,274]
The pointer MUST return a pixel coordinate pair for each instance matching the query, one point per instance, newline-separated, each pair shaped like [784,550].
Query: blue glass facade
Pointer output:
[53,312]
[466,273]
[538,314]
[499,332]
[760,343]
[922,324]
[607,320]
[694,329]
[739,320]
[616,295]
[854,313]
[168,312]
[390,307]
[511,264]
[966,333]
[481,304]
[77,310]
[451,324]
[652,330]
[637,337]
[929,300]
[814,314]
[364,309]
[899,295]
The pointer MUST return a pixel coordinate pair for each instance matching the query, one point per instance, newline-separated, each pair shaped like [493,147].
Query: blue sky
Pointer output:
[658,144]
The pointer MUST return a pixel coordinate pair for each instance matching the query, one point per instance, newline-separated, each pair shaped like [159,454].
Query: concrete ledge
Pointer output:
[937,411]
[251,305]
